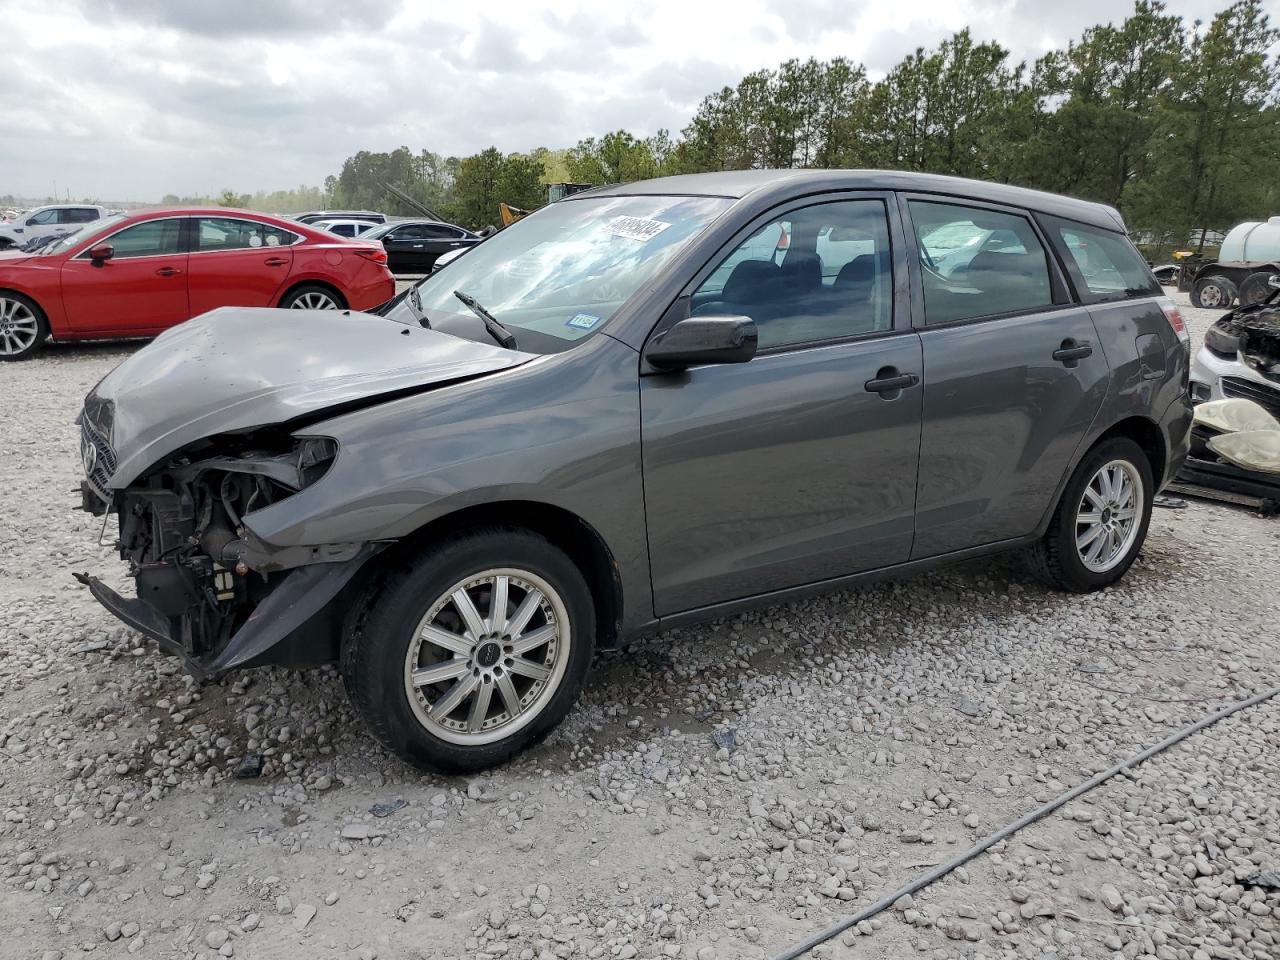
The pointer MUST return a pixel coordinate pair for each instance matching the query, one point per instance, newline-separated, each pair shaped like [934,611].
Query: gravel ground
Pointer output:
[720,792]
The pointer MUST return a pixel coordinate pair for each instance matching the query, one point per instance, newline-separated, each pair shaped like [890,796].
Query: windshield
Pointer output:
[564,271]
[84,233]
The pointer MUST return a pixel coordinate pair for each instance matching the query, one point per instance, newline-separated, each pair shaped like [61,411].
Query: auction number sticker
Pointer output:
[636,228]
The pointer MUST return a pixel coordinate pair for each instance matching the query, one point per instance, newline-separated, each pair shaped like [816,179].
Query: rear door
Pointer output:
[142,289]
[237,262]
[799,466]
[1014,373]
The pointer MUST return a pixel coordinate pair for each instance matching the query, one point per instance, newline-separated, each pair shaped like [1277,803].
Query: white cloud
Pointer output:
[133,100]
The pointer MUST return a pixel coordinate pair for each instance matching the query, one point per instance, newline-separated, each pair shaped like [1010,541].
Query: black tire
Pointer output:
[376,653]
[1055,559]
[298,296]
[1255,288]
[17,309]
[1215,292]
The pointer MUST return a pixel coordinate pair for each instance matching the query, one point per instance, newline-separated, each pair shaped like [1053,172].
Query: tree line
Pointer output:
[1175,123]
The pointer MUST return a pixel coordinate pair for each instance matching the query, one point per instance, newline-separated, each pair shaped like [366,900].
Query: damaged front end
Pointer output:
[207,590]
[1253,333]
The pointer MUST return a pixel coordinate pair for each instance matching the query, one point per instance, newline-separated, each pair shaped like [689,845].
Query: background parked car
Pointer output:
[413,245]
[311,216]
[53,220]
[345,228]
[134,276]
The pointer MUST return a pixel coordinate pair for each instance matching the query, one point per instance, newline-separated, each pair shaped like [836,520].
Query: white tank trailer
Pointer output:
[1248,258]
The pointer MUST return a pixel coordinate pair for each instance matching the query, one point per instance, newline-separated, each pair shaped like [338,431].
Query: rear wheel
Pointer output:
[1213,293]
[1101,521]
[23,326]
[474,653]
[312,296]
[1255,288]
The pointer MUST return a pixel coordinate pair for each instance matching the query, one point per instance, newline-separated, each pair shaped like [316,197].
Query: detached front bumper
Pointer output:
[287,627]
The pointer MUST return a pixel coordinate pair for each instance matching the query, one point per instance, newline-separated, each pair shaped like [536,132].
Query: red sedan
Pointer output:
[136,275]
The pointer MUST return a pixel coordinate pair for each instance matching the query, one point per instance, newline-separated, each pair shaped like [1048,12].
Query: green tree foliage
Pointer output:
[1217,151]
[489,178]
[1175,123]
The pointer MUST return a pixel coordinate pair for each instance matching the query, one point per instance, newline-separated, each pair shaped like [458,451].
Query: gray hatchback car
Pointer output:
[641,406]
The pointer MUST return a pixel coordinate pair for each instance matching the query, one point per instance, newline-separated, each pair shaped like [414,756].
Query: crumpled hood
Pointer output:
[238,368]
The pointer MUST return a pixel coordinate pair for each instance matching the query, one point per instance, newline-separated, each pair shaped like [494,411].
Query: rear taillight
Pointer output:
[1175,320]
[376,254]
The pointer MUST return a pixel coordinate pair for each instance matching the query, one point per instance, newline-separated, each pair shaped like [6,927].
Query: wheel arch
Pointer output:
[1146,433]
[581,542]
[297,283]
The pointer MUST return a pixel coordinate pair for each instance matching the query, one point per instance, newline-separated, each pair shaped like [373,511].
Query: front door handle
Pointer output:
[888,380]
[168,272]
[275,261]
[1071,352]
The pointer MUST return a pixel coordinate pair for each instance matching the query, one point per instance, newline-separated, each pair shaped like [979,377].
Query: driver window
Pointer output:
[819,273]
[978,263]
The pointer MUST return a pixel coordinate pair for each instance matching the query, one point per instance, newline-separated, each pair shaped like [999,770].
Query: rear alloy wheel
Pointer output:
[473,653]
[1255,288]
[1213,293]
[312,297]
[1101,521]
[23,328]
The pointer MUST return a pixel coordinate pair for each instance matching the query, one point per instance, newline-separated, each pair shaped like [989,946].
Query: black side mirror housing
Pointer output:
[698,340]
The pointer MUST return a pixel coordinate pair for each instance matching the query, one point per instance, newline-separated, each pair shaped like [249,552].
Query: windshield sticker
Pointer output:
[582,321]
[636,228]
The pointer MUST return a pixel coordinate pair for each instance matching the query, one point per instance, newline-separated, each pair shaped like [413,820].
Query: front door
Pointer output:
[141,290]
[1016,375]
[406,248]
[238,263]
[799,466]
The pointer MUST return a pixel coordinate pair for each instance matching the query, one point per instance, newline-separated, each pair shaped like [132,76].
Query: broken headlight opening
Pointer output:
[199,572]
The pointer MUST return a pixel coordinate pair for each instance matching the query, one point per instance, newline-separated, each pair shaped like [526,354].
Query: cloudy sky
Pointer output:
[133,99]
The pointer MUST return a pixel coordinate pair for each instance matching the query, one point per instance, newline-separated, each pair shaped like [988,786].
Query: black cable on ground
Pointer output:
[940,871]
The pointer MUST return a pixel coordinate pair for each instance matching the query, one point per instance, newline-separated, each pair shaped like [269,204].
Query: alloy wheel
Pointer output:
[18,327]
[1109,515]
[474,678]
[314,300]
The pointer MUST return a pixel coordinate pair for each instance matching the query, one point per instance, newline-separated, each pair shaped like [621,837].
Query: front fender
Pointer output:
[562,431]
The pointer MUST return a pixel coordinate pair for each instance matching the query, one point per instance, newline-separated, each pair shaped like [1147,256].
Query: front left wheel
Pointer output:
[23,326]
[474,652]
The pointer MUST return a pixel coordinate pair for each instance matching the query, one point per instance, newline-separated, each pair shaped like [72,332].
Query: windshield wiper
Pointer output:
[491,323]
[416,302]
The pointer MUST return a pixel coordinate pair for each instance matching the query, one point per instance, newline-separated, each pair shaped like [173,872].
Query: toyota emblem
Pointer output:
[88,455]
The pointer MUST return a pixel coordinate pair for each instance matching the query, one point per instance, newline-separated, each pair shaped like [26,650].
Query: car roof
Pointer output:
[67,206]
[785,184]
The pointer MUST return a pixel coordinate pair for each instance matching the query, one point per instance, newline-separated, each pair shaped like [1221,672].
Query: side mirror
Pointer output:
[696,340]
[100,253]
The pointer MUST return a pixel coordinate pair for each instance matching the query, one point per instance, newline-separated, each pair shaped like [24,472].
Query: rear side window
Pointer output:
[1102,264]
[230,233]
[79,215]
[978,263]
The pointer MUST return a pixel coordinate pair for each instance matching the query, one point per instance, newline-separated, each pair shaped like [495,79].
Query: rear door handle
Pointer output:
[275,261]
[1071,352]
[889,380]
[168,272]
